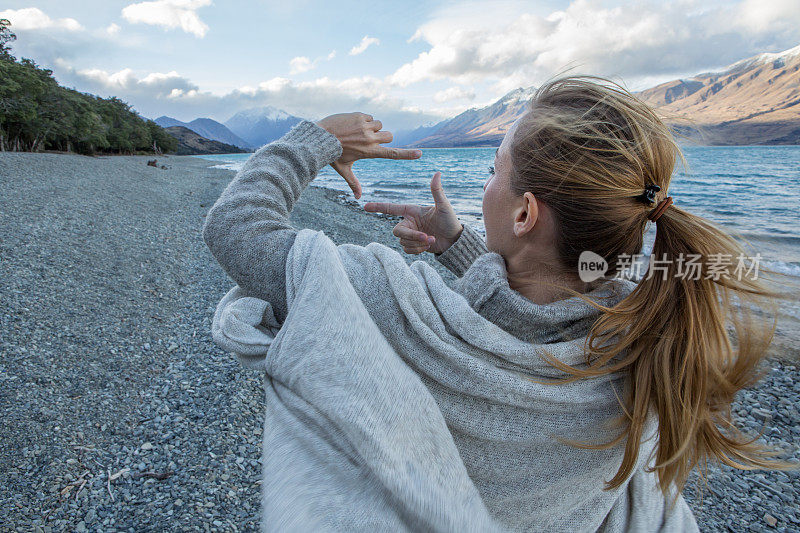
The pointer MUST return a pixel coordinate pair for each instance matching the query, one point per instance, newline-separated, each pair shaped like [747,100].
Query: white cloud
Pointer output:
[170,14]
[758,16]
[364,44]
[300,64]
[514,47]
[112,29]
[32,18]
[156,94]
[125,82]
[45,39]
[453,93]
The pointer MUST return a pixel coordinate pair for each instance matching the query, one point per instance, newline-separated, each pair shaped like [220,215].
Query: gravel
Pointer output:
[119,411]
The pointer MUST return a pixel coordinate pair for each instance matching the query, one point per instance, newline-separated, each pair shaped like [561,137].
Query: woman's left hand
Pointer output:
[361,138]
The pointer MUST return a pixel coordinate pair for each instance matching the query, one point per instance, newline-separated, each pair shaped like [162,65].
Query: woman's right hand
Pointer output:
[423,228]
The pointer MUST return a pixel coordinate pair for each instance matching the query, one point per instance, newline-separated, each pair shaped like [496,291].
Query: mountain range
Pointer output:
[474,127]
[190,143]
[753,101]
[205,127]
[261,125]
[247,129]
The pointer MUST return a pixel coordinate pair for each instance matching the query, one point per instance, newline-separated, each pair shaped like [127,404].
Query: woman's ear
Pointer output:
[526,215]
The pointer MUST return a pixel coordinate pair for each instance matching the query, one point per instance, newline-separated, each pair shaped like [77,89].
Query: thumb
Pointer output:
[346,171]
[437,191]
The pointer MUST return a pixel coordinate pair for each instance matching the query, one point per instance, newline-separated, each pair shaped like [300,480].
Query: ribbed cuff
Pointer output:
[325,143]
[462,253]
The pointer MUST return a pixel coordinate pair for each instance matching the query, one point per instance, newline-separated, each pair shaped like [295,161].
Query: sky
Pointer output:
[406,63]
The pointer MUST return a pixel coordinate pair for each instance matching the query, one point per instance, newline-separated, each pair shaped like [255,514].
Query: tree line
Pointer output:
[36,114]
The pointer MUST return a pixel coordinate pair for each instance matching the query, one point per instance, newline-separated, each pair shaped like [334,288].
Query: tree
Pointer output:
[6,36]
[38,114]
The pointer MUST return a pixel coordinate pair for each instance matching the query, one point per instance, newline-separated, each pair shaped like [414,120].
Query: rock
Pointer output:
[147,446]
[762,415]
[771,520]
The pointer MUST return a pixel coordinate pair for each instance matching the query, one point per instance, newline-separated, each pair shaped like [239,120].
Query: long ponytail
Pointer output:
[694,331]
[690,339]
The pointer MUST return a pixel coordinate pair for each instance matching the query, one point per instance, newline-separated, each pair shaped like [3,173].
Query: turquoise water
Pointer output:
[751,190]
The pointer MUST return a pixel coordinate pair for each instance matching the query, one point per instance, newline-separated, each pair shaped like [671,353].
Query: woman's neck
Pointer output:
[542,284]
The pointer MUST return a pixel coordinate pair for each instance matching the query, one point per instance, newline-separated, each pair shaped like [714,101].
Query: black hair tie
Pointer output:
[649,194]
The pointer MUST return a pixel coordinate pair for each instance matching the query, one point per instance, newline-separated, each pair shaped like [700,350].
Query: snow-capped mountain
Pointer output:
[206,127]
[484,126]
[753,101]
[261,125]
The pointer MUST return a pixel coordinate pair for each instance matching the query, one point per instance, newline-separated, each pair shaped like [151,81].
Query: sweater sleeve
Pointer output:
[247,229]
[462,253]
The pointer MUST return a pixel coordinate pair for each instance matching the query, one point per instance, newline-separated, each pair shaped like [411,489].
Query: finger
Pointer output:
[404,232]
[388,208]
[375,125]
[437,190]
[346,171]
[415,249]
[384,136]
[367,118]
[413,244]
[396,153]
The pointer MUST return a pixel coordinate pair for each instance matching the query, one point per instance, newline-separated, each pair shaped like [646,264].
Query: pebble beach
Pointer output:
[121,414]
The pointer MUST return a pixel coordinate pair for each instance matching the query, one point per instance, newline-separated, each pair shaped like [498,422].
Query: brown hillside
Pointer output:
[754,101]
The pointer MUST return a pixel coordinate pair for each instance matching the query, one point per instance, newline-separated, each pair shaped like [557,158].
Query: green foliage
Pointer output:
[6,36]
[38,114]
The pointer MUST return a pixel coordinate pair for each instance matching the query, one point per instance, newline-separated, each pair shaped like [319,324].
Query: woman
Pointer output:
[574,404]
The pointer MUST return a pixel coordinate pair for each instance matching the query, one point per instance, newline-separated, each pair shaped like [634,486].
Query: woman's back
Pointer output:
[506,425]
[481,377]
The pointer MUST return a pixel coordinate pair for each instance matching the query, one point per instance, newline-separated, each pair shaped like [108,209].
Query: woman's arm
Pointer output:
[463,252]
[434,228]
[247,229]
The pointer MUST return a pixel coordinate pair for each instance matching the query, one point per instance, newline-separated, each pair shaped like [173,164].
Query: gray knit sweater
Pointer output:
[473,346]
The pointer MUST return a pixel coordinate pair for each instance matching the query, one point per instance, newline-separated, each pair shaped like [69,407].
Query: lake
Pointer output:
[751,190]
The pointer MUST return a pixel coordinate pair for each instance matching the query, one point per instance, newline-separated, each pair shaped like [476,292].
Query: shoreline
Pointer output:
[120,412]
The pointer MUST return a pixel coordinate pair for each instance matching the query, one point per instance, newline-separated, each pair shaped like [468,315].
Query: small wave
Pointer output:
[790,269]
[396,184]
[230,166]
[726,212]
[772,239]
[390,194]
[737,176]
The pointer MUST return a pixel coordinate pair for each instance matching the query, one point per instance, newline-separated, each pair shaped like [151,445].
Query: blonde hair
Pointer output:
[587,148]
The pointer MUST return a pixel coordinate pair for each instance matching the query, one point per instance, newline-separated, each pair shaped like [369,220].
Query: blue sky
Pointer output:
[407,63]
